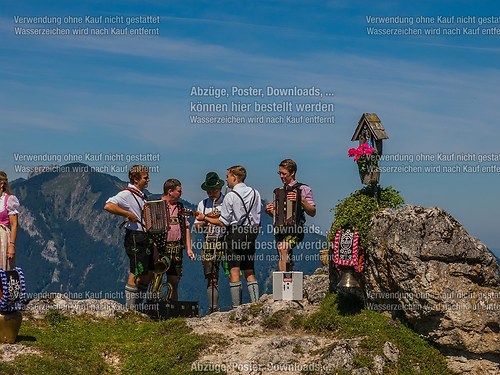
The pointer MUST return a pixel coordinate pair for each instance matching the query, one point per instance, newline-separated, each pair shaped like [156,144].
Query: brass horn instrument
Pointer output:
[158,289]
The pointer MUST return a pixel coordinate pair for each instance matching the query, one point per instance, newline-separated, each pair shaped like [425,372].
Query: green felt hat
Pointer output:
[212,182]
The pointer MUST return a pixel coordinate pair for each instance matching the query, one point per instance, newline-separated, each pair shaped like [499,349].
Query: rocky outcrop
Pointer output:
[423,266]
[37,308]
[316,286]
[259,339]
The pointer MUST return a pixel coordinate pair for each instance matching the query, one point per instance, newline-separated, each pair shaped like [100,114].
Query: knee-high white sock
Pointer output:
[235,293]
[213,297]
[253,290]
[131,296]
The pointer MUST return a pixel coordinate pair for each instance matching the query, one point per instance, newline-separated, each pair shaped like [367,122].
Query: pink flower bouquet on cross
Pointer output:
[365,156]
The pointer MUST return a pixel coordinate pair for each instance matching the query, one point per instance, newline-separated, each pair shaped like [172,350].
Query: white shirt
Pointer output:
[207,206]
[12,204]
[233,211]
[131,202]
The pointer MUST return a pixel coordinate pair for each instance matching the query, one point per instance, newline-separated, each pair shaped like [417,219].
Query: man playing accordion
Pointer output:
[300,197]
[178,236]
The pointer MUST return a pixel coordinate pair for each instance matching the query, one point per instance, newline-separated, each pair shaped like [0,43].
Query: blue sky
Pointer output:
[131,94]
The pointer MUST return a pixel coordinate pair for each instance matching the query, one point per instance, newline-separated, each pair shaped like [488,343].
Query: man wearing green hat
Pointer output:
[240,214]
[212,251]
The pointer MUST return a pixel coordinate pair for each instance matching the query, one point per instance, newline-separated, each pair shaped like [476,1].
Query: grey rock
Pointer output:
[282,353]
[342,355]
[315,287]
[9,352]
[473,366]
[378,364]
[391,351]
[361,371]
[423,266]
[100,308]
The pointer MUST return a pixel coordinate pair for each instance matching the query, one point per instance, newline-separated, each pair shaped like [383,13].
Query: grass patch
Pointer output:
[363,360]
[80,345]
[255,308]
[275,321]
[340,316]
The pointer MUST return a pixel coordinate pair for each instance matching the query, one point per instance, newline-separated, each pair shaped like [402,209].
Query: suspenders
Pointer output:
[247,211]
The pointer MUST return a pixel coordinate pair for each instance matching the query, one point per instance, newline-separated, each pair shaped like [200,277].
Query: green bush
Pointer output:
[357,210]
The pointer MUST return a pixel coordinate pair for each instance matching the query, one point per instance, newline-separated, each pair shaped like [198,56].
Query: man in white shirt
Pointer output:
[129,203]
[240,213]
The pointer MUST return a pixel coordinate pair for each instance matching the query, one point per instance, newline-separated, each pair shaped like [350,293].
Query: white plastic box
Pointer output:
[287,286]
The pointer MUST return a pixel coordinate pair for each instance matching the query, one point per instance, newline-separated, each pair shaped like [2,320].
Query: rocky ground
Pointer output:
[256,339]
[9,352]
[252,339]
[417,257]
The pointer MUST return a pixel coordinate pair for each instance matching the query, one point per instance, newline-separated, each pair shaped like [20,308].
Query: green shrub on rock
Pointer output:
[357,210]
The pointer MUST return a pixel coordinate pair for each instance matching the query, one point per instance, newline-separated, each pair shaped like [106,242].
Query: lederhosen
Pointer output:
[240,239]
[138,244]
[212,252]
[173,249]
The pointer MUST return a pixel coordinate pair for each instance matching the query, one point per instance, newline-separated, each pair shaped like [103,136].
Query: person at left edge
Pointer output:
[129,203]
[8,224]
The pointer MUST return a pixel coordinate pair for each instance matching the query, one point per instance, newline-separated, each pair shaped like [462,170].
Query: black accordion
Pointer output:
[287,213]
[156,216]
